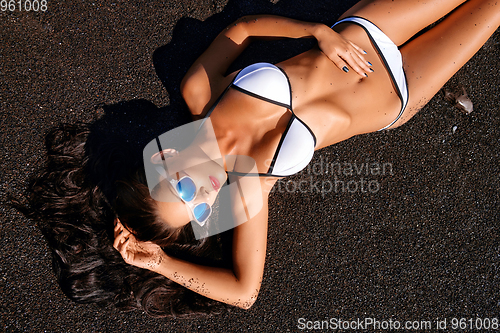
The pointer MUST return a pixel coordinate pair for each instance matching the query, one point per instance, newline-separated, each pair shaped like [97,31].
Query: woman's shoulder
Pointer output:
[200,92]
[206,78]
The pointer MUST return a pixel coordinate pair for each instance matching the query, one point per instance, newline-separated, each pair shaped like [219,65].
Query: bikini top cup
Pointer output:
[296,146]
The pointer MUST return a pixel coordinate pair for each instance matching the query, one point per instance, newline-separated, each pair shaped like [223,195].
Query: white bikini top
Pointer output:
[296,146]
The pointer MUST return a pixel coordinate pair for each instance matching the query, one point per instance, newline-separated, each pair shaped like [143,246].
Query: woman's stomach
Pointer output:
[335,104]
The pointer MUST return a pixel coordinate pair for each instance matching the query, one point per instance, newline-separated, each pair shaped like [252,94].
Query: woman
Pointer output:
[352,84]
[251,119]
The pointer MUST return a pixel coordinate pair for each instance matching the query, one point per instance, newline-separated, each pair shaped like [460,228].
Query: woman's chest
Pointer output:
[279,142]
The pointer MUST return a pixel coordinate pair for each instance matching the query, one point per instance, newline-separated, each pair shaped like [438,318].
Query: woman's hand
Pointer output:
[341,51]
[145,255]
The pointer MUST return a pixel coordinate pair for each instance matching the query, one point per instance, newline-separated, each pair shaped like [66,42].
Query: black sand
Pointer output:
[419,241]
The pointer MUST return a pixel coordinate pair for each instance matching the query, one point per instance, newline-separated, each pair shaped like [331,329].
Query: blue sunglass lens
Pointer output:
[202,212]
[186,189]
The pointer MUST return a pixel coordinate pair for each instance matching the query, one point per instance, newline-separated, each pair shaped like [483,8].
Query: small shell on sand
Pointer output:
[458,97]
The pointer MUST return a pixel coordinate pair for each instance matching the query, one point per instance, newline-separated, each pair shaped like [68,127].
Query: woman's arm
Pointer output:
[206,79]
[238,286]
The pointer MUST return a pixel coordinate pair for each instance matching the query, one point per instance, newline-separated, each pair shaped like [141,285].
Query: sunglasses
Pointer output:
[186,191]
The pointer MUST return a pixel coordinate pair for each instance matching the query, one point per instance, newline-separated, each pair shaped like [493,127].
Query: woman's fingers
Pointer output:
[360,50]
[356,61]
[117,231]
[123,251]
[133,252]
[122,244]
[119,241]
[122,237]
[120,229]
[340,63]
[360,53]
[344,53]
[350,58]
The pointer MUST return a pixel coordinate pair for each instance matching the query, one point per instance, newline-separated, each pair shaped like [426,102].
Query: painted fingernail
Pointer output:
[365,52]
[371,70]
[369,63]
[345,69]
[366,75]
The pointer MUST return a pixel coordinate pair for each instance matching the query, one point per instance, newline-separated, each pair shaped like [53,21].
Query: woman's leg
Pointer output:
[402,19]
[435,56]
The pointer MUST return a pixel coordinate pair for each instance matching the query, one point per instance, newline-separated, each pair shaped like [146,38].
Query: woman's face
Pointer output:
[208,177]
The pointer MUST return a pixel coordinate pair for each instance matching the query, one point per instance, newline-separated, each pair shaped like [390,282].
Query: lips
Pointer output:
[215,183]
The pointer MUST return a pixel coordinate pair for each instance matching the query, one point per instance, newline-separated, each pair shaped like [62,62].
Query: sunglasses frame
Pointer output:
[189,203]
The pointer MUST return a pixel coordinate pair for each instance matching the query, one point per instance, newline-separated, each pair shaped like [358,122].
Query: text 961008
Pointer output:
[23,5]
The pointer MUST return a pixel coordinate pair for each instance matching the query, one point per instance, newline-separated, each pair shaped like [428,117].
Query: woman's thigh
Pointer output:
[435,56]
[402,19]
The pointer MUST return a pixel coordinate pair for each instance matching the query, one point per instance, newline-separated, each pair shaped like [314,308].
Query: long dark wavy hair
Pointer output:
[87,181]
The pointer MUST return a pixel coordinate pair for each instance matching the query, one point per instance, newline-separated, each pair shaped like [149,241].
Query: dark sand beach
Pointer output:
[400,225]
